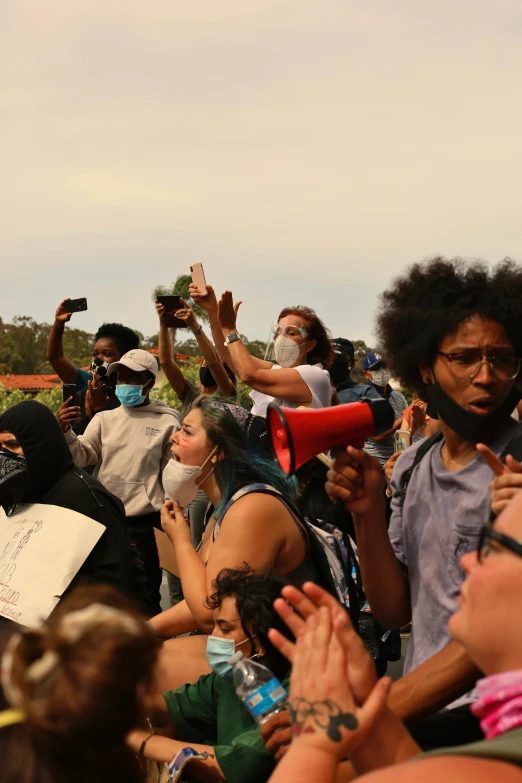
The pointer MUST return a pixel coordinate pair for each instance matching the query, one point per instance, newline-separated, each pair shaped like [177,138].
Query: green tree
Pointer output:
[255,347]
[180,287]
[23,345]
[361,349]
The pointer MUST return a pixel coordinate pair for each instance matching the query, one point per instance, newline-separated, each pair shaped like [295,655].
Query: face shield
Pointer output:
[286,344]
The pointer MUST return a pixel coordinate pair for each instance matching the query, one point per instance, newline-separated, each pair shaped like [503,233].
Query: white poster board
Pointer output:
[41,550]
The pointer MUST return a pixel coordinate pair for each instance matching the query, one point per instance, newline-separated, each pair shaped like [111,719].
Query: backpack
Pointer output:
[328,547]
[514,447]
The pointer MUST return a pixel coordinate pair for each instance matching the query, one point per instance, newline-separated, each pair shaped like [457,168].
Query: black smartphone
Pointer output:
[76,305]
[69,390]
[171,305]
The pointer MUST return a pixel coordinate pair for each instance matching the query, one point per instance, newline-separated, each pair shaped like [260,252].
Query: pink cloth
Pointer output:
[499,703]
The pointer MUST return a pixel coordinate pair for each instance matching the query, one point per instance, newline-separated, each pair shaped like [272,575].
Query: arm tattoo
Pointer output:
[310,716]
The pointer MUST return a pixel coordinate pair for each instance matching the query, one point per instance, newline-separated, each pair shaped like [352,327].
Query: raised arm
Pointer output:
[207,351]
[285,383]
[172,372]
[85,449]
[209,303]
[62,366]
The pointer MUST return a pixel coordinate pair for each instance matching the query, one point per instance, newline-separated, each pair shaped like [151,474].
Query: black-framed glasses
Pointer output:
[466,364]
[489,534]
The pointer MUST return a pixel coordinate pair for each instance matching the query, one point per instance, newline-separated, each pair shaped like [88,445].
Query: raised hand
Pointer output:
[297,607]
[323,709]
[227,311]
[61,314]
[160,309]
[418,416]
[187,314]
[508,478]
[206,299]
[67,415]
[95,397]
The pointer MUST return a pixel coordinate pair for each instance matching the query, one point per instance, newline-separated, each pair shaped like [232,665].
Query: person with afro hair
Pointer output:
[94,391]
[452,332]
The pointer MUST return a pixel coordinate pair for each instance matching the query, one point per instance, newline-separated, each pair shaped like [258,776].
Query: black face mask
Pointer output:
[206,378]
[13,479]
[339,372]
[470,426]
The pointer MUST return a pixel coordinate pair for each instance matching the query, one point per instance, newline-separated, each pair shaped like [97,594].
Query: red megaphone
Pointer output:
[298,435]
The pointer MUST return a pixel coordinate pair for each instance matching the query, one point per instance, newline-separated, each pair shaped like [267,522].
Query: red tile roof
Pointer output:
[38,383]
[29,382]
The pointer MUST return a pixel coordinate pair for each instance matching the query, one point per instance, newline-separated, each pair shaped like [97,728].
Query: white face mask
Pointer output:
[286,351]
[380,377]
[180,481]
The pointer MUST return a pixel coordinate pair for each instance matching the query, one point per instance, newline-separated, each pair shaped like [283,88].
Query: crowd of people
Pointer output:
[426,520]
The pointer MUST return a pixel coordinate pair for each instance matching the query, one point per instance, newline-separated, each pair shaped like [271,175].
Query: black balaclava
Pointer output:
[13,479]
[46,452]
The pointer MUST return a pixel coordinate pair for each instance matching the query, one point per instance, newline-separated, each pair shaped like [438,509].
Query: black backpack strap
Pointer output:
[423,449]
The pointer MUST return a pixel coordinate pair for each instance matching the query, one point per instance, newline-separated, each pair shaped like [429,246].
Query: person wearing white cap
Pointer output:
[129,447]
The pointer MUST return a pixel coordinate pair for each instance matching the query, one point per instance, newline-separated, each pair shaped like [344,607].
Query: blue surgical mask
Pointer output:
[130,395]
[219,651]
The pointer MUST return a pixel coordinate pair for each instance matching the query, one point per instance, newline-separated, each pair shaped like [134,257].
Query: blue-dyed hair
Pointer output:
[244,460]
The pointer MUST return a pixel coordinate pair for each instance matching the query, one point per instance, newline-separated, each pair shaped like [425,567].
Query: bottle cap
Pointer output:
[238,656]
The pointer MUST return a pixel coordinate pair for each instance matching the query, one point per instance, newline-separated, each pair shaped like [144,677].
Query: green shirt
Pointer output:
[210,713]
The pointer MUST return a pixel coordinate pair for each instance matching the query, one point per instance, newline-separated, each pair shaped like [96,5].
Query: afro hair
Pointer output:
[430,301]
[125,338]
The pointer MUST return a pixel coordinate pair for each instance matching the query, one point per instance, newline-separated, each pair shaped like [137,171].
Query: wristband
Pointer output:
[142,746]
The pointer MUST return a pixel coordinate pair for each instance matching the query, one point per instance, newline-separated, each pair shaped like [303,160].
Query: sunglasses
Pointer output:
[489,534]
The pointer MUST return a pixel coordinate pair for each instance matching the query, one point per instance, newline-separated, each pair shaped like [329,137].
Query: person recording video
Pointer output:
[94,390]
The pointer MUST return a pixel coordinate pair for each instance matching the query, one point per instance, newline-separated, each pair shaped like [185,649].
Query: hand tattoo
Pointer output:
[310,716]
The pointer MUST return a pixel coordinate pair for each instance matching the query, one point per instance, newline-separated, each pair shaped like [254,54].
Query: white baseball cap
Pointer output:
[137,360]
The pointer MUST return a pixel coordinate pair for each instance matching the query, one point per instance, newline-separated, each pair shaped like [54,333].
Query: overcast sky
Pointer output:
[304,151]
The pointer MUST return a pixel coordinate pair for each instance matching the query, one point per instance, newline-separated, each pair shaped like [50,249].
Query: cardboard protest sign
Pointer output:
[166,552]
[41,550]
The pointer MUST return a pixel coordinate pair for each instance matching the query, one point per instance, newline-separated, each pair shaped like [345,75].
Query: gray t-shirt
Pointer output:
[384,449]
[190,394]
[440,521]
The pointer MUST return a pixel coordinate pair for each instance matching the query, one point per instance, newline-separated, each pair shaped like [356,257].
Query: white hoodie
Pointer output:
[130,447]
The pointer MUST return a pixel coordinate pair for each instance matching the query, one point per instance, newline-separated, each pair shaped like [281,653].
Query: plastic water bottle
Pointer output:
[261,692]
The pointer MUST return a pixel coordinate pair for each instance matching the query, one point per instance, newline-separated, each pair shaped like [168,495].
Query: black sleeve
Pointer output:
[109,562]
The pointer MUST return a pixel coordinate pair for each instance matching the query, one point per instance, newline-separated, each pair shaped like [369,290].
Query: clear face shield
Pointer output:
[286,344]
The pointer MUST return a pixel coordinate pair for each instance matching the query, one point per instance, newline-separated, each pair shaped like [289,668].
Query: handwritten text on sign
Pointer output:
[41,550]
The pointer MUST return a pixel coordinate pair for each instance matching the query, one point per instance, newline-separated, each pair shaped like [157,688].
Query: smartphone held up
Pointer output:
[198,277]
[76,305]
[172,304]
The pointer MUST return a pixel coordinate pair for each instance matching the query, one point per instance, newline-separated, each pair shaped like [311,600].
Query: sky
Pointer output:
[305,152]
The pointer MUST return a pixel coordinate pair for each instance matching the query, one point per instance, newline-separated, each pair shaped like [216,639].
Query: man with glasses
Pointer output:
[453,333]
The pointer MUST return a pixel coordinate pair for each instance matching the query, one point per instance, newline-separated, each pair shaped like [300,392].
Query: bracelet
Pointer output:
[142,746]
[199,329]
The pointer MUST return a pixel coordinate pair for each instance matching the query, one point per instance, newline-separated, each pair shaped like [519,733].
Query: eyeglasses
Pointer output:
[489,534]
[466,364]
[289,331]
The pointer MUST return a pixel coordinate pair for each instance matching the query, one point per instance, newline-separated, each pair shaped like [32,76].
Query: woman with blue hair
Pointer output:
[220,449]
